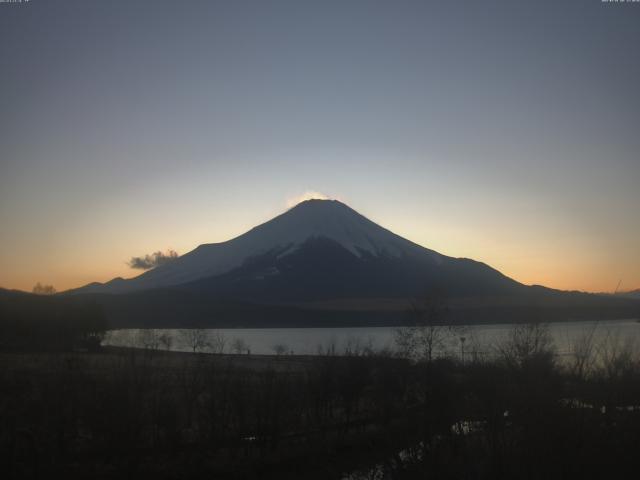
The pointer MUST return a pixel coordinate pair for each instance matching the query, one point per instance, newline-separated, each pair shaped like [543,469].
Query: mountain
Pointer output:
[318,249]
[631,294]
[322,263]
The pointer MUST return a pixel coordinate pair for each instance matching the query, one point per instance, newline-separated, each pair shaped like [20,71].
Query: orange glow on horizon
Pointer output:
[510,243]
[553,268]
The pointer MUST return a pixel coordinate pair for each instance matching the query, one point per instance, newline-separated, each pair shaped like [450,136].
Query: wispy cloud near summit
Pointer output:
[308,195]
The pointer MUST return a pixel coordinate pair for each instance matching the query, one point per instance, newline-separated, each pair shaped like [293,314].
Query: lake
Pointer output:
[479,339]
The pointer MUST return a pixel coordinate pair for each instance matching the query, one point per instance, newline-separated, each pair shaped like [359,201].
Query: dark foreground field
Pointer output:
[149,414]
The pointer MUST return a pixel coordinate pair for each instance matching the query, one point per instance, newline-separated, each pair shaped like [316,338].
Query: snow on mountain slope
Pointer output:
[310,219]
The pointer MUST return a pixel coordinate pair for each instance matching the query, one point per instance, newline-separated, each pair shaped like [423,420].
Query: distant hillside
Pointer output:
[632,294]
[172,308]
[39,322]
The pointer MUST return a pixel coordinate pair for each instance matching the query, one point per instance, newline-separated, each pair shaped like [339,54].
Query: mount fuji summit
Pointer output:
[323,245]
[318,262]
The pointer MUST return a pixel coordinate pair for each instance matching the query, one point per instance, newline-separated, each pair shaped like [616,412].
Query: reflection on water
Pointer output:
[472,341]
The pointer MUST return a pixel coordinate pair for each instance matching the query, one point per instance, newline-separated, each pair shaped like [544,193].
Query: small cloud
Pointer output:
[154,260]
[308,195]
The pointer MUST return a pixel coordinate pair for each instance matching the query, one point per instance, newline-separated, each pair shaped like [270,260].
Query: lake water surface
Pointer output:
[480,339]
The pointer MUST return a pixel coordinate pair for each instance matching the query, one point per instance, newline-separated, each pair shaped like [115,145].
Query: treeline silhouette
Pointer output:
[51,323]
[149,413]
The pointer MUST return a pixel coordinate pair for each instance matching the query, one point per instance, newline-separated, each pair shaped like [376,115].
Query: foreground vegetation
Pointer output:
[71,409]
[133,413]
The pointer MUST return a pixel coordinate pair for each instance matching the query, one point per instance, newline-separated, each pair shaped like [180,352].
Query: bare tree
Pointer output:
[148,338]
[166,340]
[431,328]
[239,345]
[280,349]
[40,289]
[353,346]
[217,342]
[473,348]
[329,349]
[195,338]
[583,350]
[527,343]
[617,356]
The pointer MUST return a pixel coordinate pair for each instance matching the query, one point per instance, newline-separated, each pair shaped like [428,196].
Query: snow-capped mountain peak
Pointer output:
[333,220]
[329,219]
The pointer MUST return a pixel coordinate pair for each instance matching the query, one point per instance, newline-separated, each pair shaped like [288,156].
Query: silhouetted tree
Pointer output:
[195,338]
[527,343]
[430,328]
[217,342]
[40,289]
[166,340]
[239,345]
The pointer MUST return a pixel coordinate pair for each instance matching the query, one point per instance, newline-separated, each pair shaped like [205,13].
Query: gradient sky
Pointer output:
[504,131]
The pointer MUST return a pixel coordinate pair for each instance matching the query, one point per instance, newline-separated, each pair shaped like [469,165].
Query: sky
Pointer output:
[502,131]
